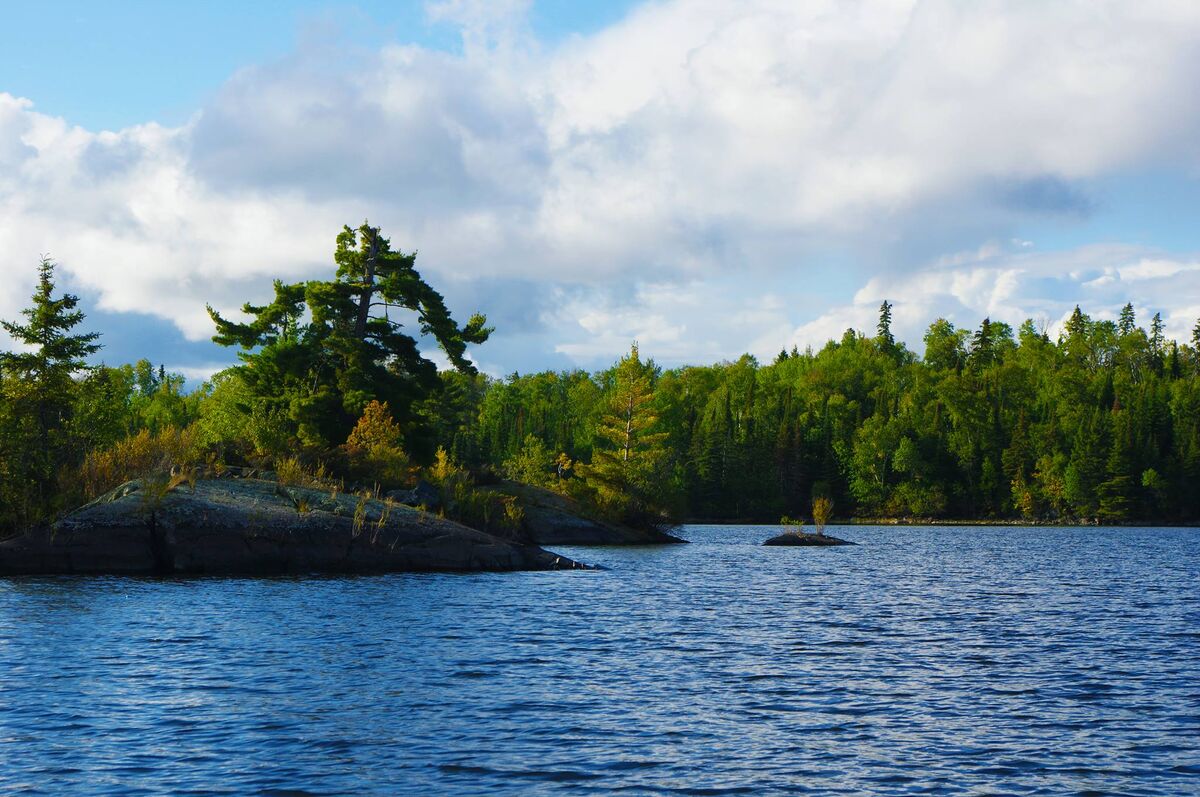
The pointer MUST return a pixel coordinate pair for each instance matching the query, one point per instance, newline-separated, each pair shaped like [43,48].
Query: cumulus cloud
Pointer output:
[635,182]
[1012,285]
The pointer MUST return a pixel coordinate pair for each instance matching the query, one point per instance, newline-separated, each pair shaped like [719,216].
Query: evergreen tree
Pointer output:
[323,372]
[982,348]
[1157,349]
[1156,333]
[1127,320]
[39,388]
[1117,495]
[884,328]
[624,470]
[1086,468]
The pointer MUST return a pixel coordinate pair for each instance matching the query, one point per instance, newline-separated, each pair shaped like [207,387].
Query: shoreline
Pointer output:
[981,523]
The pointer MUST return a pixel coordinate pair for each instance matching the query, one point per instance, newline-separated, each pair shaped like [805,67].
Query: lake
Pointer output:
[925,660]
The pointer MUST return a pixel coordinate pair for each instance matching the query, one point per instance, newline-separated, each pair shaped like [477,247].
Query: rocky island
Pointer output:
[818,538]
[255,526]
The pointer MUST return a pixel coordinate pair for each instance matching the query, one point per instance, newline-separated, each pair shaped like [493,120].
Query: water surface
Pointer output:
[926,660]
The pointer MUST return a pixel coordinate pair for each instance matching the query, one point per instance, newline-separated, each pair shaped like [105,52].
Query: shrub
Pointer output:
[463,502]
[822,511]
[374,449]
[140,456]
[532,464]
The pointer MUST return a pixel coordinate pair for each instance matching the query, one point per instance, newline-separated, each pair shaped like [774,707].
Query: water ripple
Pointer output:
[924,661]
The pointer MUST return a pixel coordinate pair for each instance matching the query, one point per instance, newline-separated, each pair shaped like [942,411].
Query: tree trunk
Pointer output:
[364,304]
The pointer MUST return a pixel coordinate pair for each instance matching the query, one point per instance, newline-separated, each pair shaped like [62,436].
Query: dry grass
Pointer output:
[360,515]
[170,455]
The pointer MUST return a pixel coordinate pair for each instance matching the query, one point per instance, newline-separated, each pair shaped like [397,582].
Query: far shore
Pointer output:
[944,522]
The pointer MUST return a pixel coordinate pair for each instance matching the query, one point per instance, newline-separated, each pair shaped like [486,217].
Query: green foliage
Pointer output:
[1102,423]
[987,424]
[319,371]
[464,502]
[884,329]
[375,449]
[232,416]
[37,395]
[627,468]
[533,464]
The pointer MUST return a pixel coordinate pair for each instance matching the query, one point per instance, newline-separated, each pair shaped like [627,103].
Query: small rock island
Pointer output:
[255,526]
[806,538]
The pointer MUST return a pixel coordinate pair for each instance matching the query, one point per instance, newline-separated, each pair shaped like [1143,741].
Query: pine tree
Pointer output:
[322,373]
[624,469]
[39,388]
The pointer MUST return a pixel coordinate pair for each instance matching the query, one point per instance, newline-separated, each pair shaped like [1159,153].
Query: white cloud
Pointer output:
[694,143]
[1019,285]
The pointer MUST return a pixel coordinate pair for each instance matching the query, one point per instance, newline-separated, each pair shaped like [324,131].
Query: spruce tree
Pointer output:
[40,387]
[1156,333]
[1086,467]
[982,349]
[1127,320]
[1117,494]
[884,328]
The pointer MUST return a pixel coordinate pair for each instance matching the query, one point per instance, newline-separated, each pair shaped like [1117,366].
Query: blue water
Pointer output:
[926,660]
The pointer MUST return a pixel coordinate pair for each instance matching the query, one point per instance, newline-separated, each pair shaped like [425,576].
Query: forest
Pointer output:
[1098,424]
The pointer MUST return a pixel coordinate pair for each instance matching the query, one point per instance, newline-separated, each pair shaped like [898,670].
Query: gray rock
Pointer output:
[423,494]
[806,538]
[254,526]
[553,519]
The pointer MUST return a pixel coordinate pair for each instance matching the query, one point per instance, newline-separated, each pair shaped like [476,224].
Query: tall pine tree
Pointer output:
[353,349]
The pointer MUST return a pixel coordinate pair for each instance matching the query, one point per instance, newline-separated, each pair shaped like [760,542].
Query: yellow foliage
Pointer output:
[444,469]
[141,455]
[822,511]
[375,446]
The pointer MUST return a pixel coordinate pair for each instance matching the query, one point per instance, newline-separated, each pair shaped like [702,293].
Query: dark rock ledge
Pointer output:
[250,526]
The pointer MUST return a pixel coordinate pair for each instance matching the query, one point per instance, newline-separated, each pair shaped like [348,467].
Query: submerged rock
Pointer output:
[554,519]
[253,526]
[806,538]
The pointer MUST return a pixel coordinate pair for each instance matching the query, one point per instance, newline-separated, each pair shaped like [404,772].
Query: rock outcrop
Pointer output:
[806,538]
[256,527]
[553,519]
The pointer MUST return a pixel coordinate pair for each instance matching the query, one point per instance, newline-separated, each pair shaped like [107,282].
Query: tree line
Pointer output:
[1100,423]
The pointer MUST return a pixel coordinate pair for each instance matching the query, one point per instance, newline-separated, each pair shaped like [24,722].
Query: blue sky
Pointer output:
[111,65]
[707,177]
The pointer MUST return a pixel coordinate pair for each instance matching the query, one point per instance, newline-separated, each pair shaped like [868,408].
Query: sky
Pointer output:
[704,177]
